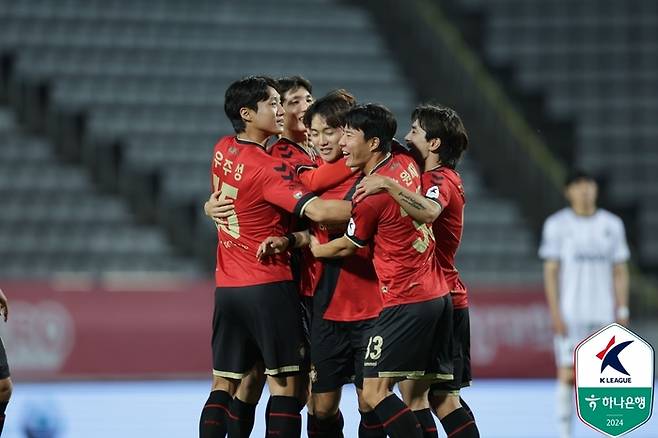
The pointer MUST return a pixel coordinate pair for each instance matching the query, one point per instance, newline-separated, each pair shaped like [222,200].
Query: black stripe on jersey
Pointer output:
[326,287]
[358,242]
[302,203]
[286,174]
[350,192]
[285,148]
[285,155]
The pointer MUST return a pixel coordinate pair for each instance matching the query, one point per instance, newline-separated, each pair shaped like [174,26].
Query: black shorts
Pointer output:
[337,351]
[462,355]
[412,341]
[4,366]
[306,308]
[258,323]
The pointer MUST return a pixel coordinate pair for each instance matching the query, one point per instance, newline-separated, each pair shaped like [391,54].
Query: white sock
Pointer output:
[564,409]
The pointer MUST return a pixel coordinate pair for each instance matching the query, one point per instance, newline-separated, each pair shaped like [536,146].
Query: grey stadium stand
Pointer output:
[152,77]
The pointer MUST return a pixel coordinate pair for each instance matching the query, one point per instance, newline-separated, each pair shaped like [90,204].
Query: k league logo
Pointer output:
[614,380]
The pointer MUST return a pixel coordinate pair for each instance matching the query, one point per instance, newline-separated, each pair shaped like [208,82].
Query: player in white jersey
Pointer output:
[585,278]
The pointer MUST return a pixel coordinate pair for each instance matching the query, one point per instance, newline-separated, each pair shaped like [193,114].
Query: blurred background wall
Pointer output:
[109,110]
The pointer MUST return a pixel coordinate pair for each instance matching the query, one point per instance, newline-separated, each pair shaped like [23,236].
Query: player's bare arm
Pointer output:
[4,306]
[620,281]
[551,278]
[278,244]
[328,210]
[218,209]
[341,247]
[414,204]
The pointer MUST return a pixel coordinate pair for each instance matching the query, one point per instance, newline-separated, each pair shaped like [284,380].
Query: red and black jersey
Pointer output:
[265,190]
[346,289]
[444,185]
[403,249]
[294,154]
[305,163]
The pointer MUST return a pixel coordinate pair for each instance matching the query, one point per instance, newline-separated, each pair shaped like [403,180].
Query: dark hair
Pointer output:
[578,175]
[332,107]
[374,121]
[292,83]
[245,93]
[443,123]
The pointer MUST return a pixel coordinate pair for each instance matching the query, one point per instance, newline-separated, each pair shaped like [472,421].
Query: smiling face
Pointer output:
[356,148]
[295,104]
[326,139]
[269,115]
[416,139]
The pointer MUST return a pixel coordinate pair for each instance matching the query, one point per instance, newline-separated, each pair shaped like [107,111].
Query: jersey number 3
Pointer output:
[421,243]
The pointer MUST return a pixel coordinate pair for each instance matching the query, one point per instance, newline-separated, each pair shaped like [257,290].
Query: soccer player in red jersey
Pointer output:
[438,134]
[412,337]
[306,269]
[293,145]
[346,292]
[256,315]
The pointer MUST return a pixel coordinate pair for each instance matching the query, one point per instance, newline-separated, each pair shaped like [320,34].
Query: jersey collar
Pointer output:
[380,164]
[248,142]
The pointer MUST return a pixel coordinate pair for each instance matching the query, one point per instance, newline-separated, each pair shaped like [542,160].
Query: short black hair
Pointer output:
[245,93]
[578,175]
[292,83]
[332,107]
[374,121]
[443,123]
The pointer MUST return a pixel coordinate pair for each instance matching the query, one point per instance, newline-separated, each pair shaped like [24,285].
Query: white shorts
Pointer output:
[566,345]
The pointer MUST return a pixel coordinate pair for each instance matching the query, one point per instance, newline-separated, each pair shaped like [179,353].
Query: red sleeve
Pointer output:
[326,176]
[437,188]
[282,188]
[363,223]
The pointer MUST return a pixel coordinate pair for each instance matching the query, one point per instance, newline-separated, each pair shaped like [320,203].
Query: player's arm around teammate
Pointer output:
[439,138]
[416,205]
[414,292]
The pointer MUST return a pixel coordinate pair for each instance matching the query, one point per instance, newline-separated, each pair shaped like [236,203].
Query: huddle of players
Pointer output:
[383,302]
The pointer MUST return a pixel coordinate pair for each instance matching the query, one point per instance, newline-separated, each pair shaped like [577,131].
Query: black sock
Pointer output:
[427,424]
[240,419]
[458,424]
[397,418]
[285,421]
[370,426]
[331,427]
[3,407]
[467,408]
[213,417]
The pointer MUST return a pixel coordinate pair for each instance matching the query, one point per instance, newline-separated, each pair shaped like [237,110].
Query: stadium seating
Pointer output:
[52,219]
[597,62]
[153,75]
